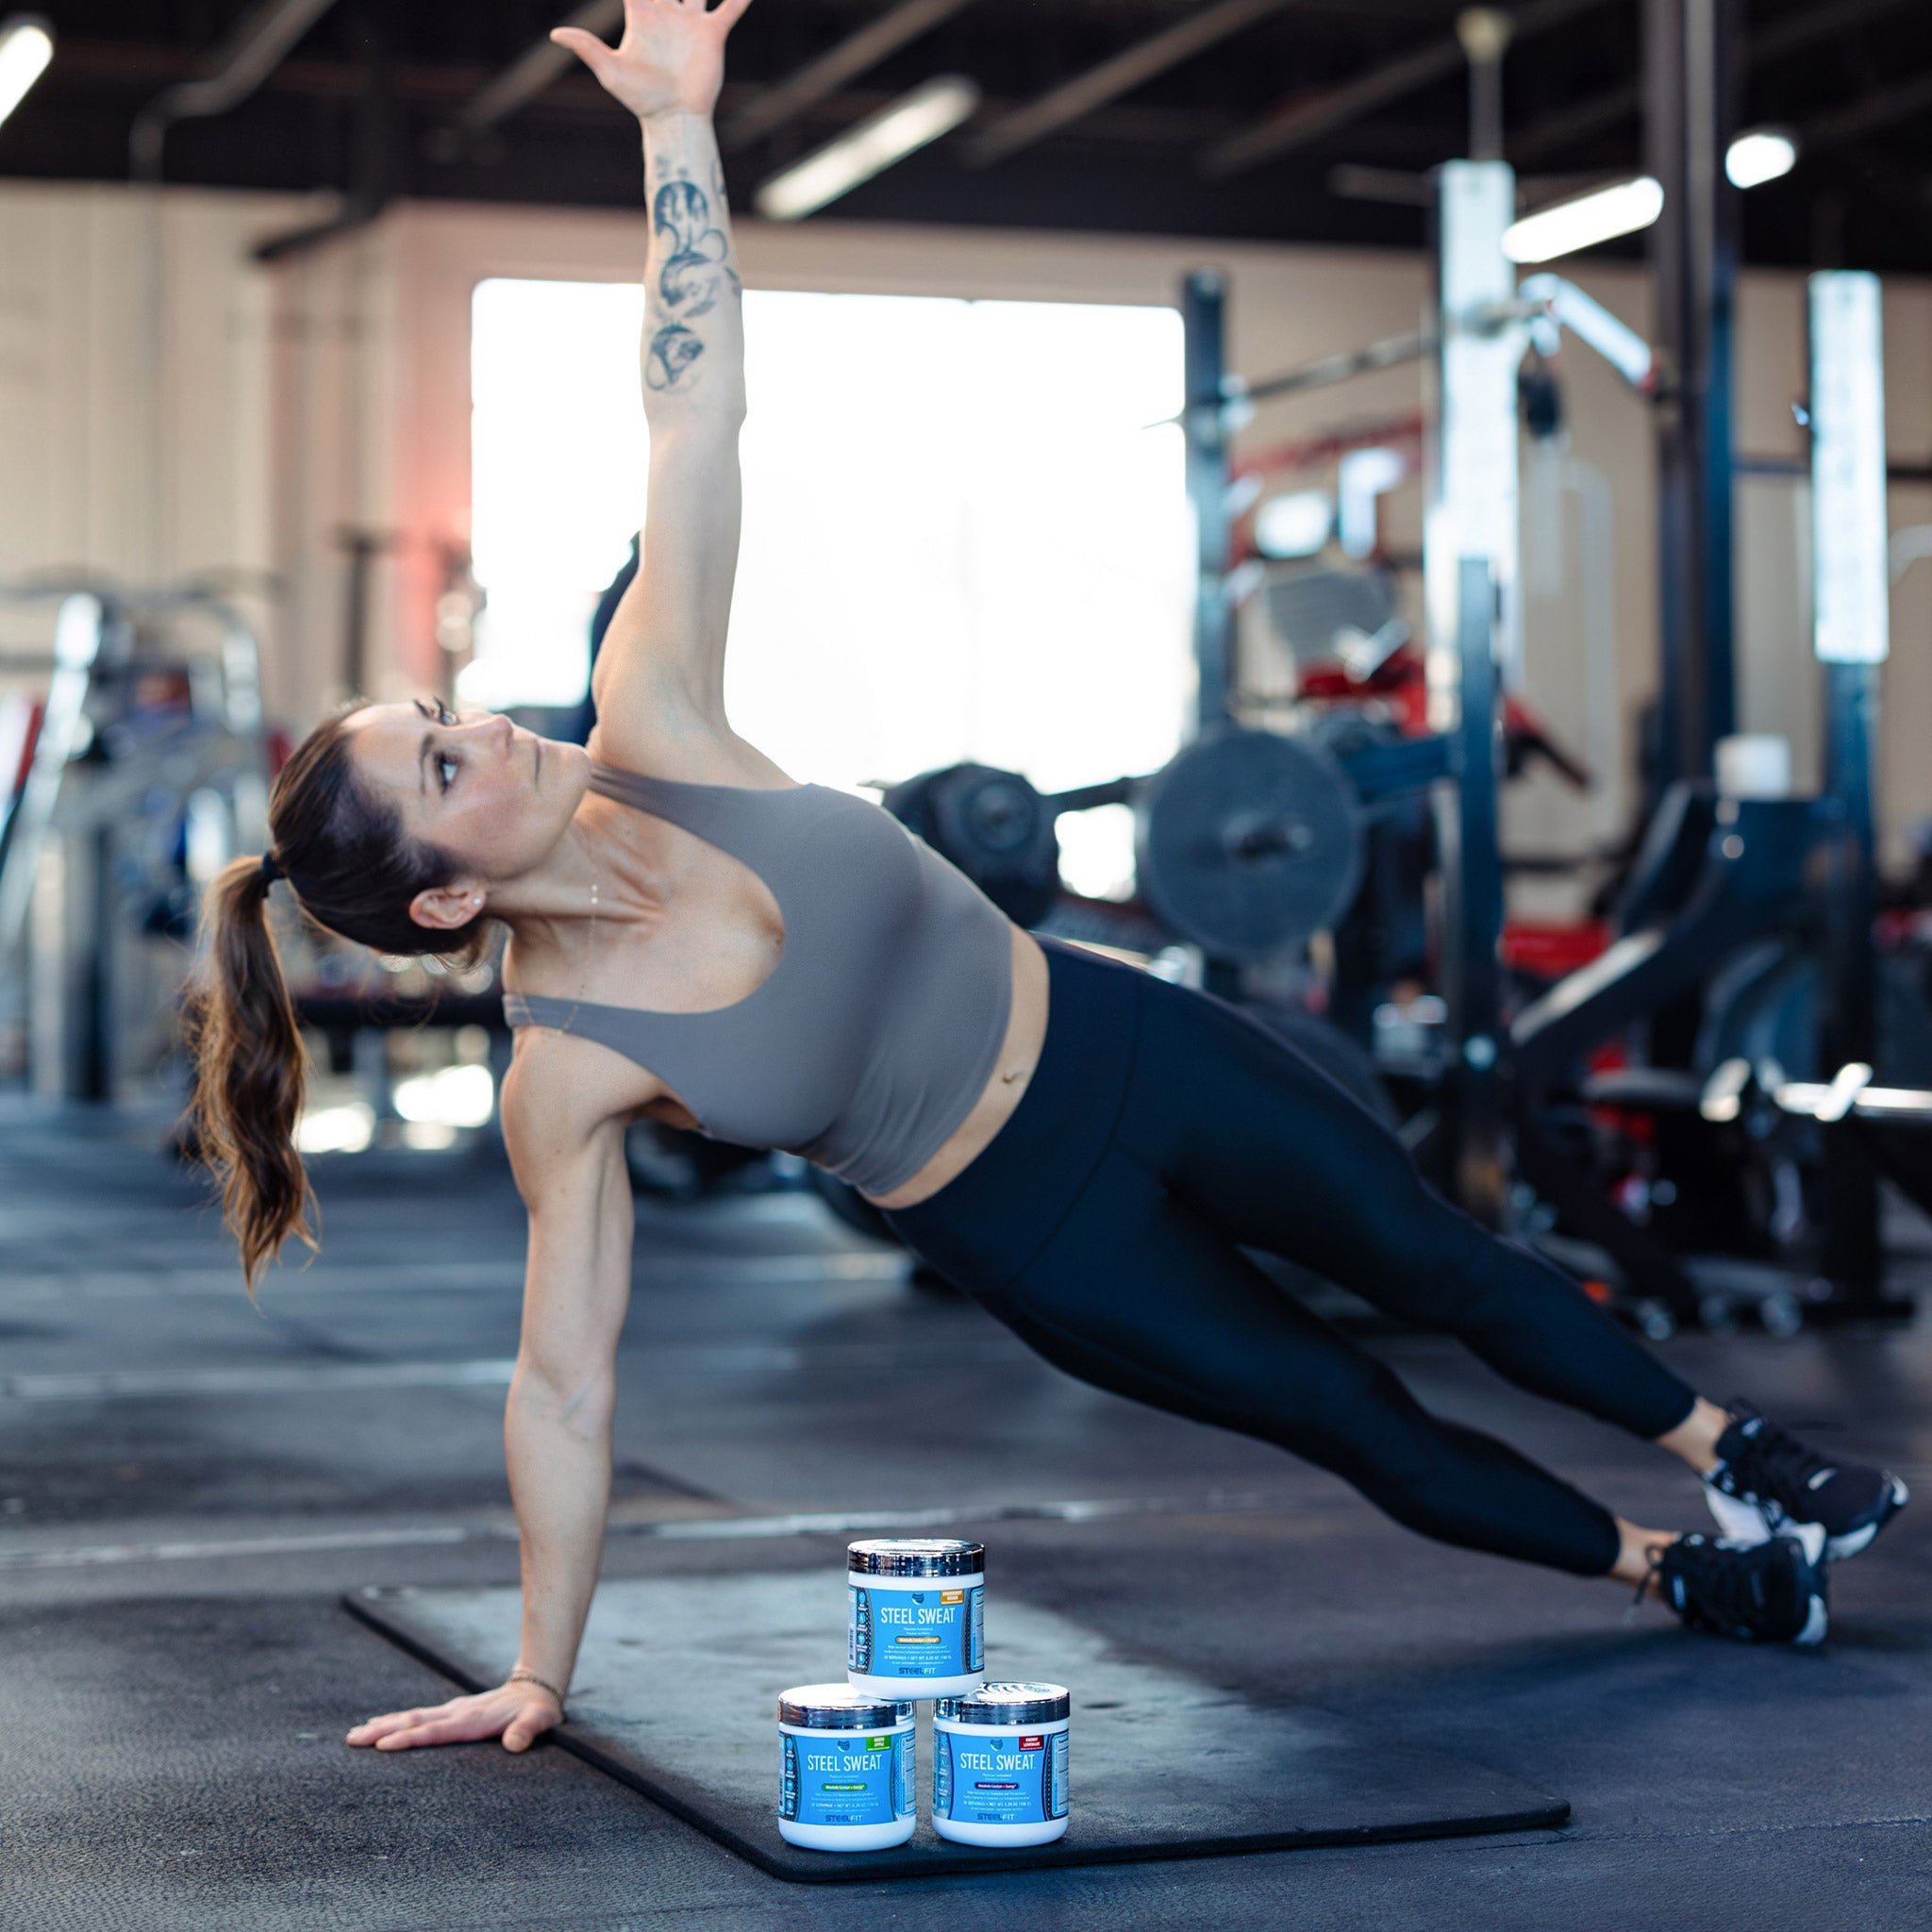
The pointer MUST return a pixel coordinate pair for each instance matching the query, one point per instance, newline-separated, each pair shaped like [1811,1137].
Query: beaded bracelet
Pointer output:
[520,1675]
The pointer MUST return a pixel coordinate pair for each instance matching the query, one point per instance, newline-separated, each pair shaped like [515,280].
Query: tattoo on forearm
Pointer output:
[684,216]
[689,277]
[672,350]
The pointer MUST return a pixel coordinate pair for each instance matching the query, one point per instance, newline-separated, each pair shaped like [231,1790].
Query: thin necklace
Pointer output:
[590,943]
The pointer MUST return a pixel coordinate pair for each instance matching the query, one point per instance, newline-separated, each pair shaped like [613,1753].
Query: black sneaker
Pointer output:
[1766,1480]
[1767,1592]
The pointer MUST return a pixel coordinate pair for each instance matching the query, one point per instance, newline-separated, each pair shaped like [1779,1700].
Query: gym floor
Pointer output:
[189,1485]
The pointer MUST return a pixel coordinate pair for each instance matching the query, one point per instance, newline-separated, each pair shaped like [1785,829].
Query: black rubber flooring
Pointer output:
[186,1486]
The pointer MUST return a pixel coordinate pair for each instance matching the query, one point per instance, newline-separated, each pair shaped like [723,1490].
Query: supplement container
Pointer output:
[999,1765]
[916,1617]
[845,1769]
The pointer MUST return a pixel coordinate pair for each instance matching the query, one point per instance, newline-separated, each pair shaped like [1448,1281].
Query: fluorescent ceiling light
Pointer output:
[1760,155]
[1620,209]
[913,122]
[26,44]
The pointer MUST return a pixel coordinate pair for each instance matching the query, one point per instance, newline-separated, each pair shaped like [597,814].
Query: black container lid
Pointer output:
[915,1556]
[1007,1707]
[840,1708]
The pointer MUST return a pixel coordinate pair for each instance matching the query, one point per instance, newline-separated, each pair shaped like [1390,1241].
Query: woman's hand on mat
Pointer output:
[518,1713]
[671,60]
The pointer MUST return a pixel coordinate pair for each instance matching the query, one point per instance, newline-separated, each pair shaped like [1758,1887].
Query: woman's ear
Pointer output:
[446,908]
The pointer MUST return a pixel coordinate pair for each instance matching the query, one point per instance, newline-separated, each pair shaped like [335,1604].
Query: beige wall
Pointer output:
[281,406]
[126,450]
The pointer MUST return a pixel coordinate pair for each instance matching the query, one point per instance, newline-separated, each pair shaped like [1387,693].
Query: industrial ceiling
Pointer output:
[1284,120]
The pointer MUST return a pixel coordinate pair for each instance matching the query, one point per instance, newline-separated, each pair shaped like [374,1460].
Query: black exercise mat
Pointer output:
[677,1684]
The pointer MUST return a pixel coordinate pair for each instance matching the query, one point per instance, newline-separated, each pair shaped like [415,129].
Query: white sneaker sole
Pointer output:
[1810,1537]
[1816,1624]
[1745,1523]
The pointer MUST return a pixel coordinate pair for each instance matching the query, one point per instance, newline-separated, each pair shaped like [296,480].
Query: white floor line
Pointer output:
[670,1359]
[264,1378]
[694,1529]
[434,1278]
[413,1536]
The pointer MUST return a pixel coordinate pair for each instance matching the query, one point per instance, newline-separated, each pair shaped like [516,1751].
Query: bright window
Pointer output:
[962,538]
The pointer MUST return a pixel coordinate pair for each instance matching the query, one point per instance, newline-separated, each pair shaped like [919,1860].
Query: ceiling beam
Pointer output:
[532,71]
[1569,125]
[1865,115]
[810,84]
[1901,194]
[259,44]
[1302,122]
[1072,100]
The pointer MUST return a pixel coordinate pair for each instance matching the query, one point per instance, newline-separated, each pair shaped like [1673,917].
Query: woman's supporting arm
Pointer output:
[659,687]
[557,1424]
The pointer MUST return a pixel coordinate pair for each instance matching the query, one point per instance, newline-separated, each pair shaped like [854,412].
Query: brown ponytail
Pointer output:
[250,1070]
[343,852]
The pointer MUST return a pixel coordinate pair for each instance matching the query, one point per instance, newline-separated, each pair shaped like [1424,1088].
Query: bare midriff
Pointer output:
[1019,1056]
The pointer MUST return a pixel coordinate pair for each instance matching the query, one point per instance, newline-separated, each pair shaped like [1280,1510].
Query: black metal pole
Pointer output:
[94,1060]
[1691,50]
[1203,421]
[1471,871]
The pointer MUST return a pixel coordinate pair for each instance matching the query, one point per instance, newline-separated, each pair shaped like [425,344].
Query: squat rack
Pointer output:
[1481,323]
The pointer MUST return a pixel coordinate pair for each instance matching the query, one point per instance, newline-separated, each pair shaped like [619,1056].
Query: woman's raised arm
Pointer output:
[661,675]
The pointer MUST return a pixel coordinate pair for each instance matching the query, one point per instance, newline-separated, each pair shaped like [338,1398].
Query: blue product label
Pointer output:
[838,1778]
[859,1630]
[916,1632]
[1017,1779]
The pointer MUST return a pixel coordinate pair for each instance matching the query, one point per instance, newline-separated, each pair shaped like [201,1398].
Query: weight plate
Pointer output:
[995,826]
[1248,843]
[990,819]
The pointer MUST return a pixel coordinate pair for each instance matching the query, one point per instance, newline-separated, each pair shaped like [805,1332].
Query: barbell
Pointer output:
[1247,842]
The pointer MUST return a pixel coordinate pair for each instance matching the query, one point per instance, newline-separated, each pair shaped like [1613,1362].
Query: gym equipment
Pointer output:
[673,1696]
[1347,617]
[1759,925]
[995,826]
[148,773]
[1247,843]
[1248,840]
[1747,943]
[1716,876]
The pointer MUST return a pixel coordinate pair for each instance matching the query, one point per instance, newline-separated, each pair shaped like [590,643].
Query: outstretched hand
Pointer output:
[671,60]
[518,1713]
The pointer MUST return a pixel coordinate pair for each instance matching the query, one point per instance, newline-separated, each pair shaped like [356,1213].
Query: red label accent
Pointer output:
[1033,1743]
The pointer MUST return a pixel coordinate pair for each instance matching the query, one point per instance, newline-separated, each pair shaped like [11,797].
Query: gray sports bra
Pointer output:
[879,1028]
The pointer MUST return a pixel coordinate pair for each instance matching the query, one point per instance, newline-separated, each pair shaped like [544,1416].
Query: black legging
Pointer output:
[1163,1132]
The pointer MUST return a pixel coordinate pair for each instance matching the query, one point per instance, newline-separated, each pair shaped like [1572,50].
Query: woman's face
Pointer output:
[494,797]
